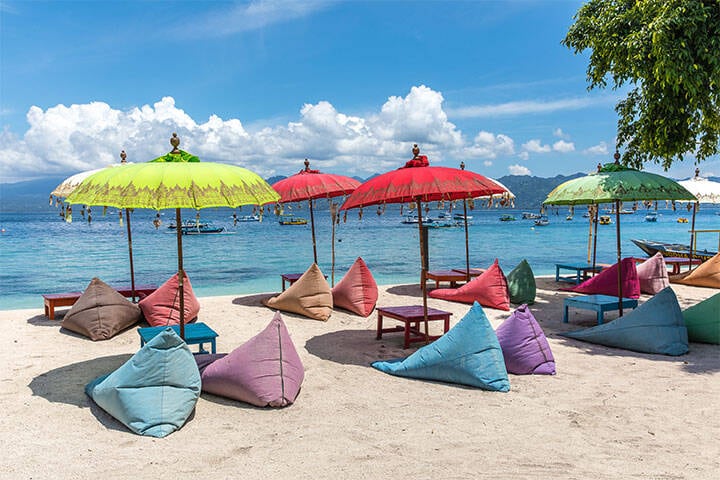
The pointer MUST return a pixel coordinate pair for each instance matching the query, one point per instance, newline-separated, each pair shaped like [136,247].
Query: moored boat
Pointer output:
[195,228]
[507,218]
[542,221]
[292,220]
[605,220]
[671,249]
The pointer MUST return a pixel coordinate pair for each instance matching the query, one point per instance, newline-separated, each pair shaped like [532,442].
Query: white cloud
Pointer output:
[536,146]
[489,145]
[519,170]
[560,134]
[563,146]
[529,107]
[599,149]
[524,155]
[488,163]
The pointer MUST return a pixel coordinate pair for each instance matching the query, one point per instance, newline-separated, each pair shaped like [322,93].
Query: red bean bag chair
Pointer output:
[357,291]
[606,282]
[489,289]
[162,307]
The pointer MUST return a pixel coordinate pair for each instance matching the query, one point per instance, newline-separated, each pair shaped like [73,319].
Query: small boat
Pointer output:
[441,224]
[196,228]
[542,221]
[651,217]
[413,219]
[189,224]
[671,249]
[569,217]
[247,218]
[682,220]
[530,216]
[291,220]
[605,220]
[460,216]
[507,218]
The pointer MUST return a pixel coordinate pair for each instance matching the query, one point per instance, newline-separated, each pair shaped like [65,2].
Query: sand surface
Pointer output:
[608,413]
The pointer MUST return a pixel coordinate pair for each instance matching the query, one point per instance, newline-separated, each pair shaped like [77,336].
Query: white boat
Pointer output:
[410,219]
[530,216]
[247,218]
[460,216]
[651,217]
[542,221]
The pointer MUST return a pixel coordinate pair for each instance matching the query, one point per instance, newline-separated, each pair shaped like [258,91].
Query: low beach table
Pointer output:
[445,276]
[581,272]
[411,316]
[291,278]
[195,334]
[474,272]
[68,299]
[597,303]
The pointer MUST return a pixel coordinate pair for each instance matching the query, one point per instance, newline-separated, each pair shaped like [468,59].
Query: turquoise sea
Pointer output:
[41,253]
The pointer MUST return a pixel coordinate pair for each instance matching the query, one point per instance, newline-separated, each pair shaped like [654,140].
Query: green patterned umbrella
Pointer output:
[614,183]
[175,180]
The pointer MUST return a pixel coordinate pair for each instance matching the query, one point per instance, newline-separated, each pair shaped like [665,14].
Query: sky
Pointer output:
[350,85]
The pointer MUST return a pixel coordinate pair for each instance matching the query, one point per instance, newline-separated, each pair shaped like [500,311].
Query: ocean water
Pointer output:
[41,253]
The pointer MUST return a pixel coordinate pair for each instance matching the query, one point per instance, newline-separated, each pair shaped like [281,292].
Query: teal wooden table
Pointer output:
[195,334]
[597,303]
[581,272]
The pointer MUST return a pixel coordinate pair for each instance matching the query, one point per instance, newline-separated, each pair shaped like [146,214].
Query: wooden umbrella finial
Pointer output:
[697,172]
[123,157]
[462,165]
[307,164]
[175,141]
[617,156]
[416,150]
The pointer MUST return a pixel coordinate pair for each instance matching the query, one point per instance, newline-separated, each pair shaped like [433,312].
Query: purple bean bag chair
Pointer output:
[524,346]
[606,282]
[264,371]
[653,275]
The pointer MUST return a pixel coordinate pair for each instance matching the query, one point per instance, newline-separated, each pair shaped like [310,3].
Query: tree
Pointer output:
[668,51]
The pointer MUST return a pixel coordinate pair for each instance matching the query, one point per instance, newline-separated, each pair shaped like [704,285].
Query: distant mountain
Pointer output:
[275,179]
[530,192]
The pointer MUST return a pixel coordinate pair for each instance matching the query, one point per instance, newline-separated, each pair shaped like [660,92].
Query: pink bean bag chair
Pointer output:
[264,371]
[489,289]
[357,291]
[606,282]
[653,275]
[524,345]
[162,307]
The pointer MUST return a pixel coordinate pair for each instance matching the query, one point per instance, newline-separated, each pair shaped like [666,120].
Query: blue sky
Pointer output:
[351,85]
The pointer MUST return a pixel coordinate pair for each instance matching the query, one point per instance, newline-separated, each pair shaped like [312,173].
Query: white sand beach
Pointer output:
[608,413]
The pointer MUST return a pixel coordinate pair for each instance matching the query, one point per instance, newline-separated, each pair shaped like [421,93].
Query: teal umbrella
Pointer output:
[615,183]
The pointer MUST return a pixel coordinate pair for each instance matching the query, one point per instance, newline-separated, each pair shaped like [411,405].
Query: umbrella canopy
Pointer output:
[309,185]
[67,186]
[706,191]
[176,180]
[418,182]
[615,183]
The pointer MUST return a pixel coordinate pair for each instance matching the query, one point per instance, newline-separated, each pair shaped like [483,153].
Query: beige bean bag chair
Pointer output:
[310,296]
[705,275]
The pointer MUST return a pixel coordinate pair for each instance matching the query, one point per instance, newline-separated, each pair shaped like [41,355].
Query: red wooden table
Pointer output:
[411,316]
[445,276]
[67,299]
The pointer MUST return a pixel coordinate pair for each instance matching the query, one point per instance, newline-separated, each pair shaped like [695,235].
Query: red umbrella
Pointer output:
[309,185]
[418,182]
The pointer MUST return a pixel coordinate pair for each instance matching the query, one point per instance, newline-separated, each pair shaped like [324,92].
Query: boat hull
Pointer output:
[671,249]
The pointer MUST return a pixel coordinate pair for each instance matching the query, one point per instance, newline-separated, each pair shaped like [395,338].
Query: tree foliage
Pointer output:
[668,52]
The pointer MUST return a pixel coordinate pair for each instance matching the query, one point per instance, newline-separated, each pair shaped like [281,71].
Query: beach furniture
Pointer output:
[703,321]
[411,317]
[597,303]
[606,282]
[162,307]
[489,289]
[581,271]
[469,354]
[706,275]
[524,345]
[474,272]
[521,284]
[291,278]
[101,312]
[155,391]
[265,371]
[310,296]
[195,334]
[656,326]
[445,276]
[52,301]
[357,291]
[653,274]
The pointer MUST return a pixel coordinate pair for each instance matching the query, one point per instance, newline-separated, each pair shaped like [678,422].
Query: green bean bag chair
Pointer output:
[703,321]
[521,284]
[155,391]
[656,326]
[469,354]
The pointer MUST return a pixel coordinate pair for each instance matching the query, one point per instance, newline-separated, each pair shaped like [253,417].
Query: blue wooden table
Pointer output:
[597,303]
[581,271]
[195,334]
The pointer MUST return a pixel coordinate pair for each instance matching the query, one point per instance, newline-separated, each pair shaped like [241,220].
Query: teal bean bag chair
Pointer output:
[703,321]
[469,354]
[155,391]
[521,284]
[656,326]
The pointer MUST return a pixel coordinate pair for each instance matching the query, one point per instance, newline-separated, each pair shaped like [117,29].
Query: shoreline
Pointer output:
[607,413]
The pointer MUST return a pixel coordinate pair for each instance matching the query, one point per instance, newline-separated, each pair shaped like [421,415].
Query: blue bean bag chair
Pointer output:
[155,391]
[656,326]
[469,354]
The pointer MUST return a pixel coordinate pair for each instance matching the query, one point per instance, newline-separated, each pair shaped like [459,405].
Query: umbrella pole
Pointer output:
[692,236]
[181,273]
[467,244]
[619,255]
[597,212]
[132,268]
[423,271]
[312,229]
[332,259]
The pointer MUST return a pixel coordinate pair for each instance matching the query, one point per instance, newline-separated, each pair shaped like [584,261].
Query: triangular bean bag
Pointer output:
[264,371]
[524,345]
[469,354]
[521,284]
[653,275]
[162,307]
[310,296]
[489,289]
[357,291]
[656,326]
[155,391]
[606,282]
[706,274]
[101,312]
[703,321]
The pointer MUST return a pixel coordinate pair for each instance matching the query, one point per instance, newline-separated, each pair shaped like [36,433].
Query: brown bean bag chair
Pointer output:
[357,291]
[706,275]
[101,312]
[310,296]
[162,307]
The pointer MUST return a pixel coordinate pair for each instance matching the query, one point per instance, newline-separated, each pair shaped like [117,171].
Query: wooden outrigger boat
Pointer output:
[671,249]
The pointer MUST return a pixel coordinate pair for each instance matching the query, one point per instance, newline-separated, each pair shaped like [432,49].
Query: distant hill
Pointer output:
[275,179]
[530,192]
